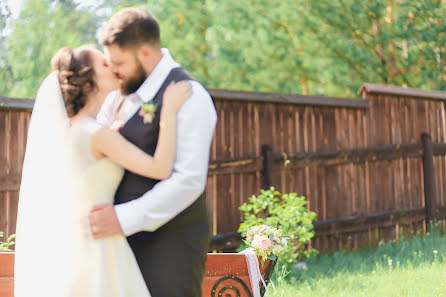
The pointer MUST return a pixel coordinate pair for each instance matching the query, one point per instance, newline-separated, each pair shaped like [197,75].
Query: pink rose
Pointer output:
[262,242]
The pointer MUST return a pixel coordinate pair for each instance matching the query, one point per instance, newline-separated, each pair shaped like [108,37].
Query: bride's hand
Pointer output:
[175,95]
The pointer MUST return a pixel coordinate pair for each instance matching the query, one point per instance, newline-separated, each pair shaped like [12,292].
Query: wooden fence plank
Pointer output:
[9,183]
[429,176]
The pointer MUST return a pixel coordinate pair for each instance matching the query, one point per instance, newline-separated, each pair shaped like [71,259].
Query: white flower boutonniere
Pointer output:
[147,112]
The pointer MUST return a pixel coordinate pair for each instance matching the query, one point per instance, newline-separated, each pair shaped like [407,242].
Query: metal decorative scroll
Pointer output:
[229,290]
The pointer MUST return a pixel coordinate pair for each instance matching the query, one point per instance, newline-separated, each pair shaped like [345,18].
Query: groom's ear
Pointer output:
[144,52]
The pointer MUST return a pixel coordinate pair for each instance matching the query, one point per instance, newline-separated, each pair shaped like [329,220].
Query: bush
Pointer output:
[5,246]
[287,212]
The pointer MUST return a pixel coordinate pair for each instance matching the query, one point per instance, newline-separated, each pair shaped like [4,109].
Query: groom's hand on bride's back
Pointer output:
[103,221]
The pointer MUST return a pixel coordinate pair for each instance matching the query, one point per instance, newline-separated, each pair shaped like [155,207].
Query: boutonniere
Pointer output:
[147,112]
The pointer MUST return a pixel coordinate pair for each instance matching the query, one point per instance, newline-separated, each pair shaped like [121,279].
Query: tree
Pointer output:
[264,46]
[386,41]
[5,68]
[184,26]
[290,46]
[43,27]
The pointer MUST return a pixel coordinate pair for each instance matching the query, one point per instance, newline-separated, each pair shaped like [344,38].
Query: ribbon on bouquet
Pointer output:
[254,271]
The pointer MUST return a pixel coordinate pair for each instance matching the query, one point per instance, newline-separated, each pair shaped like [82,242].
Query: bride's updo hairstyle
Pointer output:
[76,76]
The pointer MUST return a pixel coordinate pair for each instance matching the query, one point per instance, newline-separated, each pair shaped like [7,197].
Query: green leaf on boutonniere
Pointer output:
[147,112]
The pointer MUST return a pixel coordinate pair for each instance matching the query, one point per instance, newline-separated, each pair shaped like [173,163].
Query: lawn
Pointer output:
[412,267]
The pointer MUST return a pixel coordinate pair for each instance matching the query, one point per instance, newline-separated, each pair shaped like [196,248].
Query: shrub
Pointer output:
[287,212]
[5,246]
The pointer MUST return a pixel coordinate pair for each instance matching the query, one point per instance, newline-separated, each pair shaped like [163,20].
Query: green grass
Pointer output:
[414,267]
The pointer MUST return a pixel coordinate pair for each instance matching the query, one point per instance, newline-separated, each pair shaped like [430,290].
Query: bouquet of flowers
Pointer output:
[266,241]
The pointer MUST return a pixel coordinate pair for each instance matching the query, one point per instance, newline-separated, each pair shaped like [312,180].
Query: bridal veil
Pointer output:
[45,245]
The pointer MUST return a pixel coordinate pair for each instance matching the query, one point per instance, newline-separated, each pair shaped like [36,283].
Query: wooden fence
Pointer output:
[362,163]
[14,119]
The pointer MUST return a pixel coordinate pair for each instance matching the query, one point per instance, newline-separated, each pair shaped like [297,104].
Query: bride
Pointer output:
[72,163]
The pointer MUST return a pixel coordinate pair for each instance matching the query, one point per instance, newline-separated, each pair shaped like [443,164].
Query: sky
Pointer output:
[15,7]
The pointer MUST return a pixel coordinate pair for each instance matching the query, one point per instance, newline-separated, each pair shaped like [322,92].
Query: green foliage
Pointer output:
[287,212]
[43,27]
[5,246]
[393,42]
[5,69]
[184,26]
[278,286]
[411,267]
[305,46]
[289,46]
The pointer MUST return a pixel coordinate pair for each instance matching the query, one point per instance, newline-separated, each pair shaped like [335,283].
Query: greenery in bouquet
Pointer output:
[266,241]
[5,246]
[286,212]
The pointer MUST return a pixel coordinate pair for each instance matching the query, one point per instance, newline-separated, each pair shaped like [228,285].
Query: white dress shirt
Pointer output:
[196,122]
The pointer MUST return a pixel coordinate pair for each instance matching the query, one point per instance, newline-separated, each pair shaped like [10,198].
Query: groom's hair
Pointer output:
[131,27]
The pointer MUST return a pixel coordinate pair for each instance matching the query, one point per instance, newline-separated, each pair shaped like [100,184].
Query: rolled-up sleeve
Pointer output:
[196,121]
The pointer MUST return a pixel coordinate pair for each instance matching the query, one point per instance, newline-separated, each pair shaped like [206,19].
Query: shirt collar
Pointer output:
[155,80]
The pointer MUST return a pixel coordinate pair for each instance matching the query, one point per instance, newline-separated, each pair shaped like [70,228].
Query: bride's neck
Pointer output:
[90,109]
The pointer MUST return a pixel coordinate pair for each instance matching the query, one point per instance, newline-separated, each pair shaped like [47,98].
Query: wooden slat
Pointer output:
[235,166]
[439,213]
[13,201]
[429,176]
[14,103]
[9,183]
[226,241]
[439,149]
[225,212]
[4,144]
[7,286]
[353,224]
[400,91]
[347,156]
[4,209]
[218,264]
[6,264]
[260,97]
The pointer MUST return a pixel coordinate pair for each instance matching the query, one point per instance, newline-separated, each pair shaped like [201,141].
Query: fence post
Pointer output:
[267,153]
[429,176]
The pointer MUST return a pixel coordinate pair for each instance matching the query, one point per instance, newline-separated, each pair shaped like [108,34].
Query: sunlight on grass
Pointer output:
[414,267]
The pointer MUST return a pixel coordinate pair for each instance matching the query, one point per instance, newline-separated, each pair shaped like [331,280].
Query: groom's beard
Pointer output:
[132,84]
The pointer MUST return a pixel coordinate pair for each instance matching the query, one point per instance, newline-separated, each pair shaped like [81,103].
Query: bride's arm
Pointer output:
[106,142]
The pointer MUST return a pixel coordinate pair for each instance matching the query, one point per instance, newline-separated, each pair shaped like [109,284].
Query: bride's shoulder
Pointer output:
[82,132]
[92,124]
[86,127]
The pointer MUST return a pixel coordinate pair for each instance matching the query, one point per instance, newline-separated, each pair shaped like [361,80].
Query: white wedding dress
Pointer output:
[61,182]
[106,267]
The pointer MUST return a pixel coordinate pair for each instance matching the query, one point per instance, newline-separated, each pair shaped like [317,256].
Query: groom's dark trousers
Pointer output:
[172,258]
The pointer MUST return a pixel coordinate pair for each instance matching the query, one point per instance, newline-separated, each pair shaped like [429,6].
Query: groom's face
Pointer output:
[124,63]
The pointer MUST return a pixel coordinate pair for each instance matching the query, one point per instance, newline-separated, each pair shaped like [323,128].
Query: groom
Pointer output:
[166,222]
